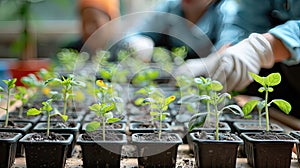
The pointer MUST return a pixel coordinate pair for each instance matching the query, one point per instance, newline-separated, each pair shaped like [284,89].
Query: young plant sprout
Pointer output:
[36,84]
[179,54]
[158,105]
[70,59]
[21,95]
[205,86]
[103,109]
[215,99]
[145,77]
[267,86]
[67,85]
[10,85]
[47,107]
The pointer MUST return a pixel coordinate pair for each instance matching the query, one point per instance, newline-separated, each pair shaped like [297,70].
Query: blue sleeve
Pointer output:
[241,18]
[289,34]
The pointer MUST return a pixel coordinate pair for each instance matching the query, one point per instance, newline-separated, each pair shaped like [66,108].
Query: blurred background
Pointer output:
[51,23]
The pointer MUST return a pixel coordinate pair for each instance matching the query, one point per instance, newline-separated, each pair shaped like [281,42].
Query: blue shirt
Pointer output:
[169,29]
[289,34]
[260,16]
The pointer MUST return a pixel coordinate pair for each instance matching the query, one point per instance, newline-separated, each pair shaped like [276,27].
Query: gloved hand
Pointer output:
[231,67]
[142,46]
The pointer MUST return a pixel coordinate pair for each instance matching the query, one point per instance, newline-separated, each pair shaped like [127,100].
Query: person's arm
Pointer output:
[289,36]
[241,18]
[280,52]
[258,51]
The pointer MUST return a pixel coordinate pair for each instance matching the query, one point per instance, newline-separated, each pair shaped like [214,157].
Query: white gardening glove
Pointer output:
[250,55]
[235,62]
[143,47]
[199,67]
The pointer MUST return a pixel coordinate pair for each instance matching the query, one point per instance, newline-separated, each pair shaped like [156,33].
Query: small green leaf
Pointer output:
[165,108]
[249,106]
[109,108]
[235,109]
[163,116]
[261,89]
[108,115]
[33,112]
[216,85]
[92,126]
[64,117]
[197,120]
[154,113]
[139,101]
[258,79]
[223,96]
[55,81]
[283,105]
[112,120]
[170,99]
[1,89]
[95,107]
[270,89]
[198,81]
[273,79]
[248,116]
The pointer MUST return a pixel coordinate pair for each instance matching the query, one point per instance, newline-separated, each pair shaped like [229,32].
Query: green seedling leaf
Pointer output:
[270,89]
[112,120]
[273,79]
[216,86]
[249,106]
[64,117]
[33,112]
[95,107]
[139,101]
[197,120]
[198,81]
[154,113]
[55,81]
[235,109]
[170,100]
[105,74]
[1,89]
[283,105]
[261,89]
[108,108]
[165,108]
[10,83]
[258,79]
[223,96]
[193,98]
[108,115]
[248,116]
[92,126]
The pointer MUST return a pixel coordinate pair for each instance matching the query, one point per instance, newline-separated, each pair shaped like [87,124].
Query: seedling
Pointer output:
[179,54]
[145,77]
[103,109]
[36,84]
[47,107]
[21,95]
[70,59]
[187,87]
[215,99]
[267,86]
[158,104]
[205,87]
[67,85]
[10,85]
